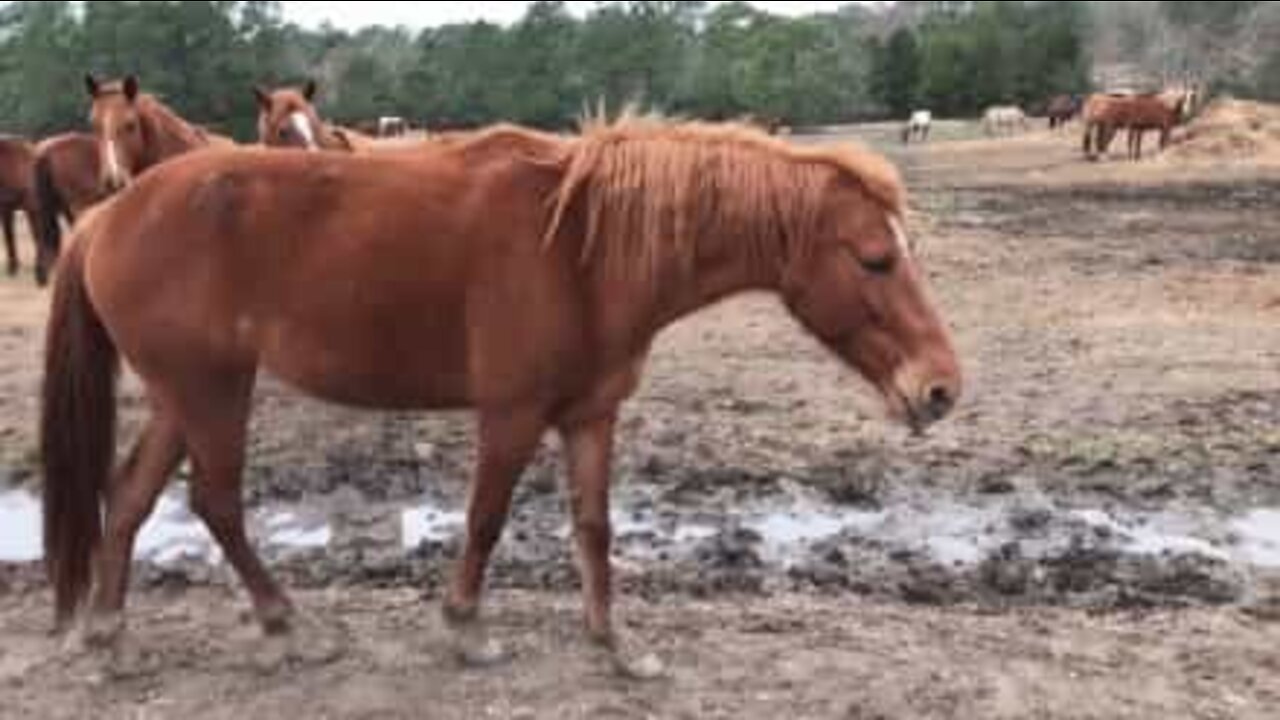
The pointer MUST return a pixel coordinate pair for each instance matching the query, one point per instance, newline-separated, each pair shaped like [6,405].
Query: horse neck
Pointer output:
[635,308]
[170,135]
[328,139]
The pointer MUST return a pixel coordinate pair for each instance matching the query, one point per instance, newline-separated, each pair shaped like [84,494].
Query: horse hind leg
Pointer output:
[135,486]
[215,421]
[10,240]
[507,442]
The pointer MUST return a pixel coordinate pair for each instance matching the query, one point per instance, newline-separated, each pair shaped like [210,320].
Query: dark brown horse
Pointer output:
[135,131]
[518,274]
[16,193]
[287,118]
[1062,109]
[67,183]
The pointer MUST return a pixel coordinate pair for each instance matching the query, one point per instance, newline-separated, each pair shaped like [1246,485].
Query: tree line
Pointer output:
[710,60]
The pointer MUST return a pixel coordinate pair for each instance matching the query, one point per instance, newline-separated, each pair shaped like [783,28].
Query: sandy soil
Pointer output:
[1121,331]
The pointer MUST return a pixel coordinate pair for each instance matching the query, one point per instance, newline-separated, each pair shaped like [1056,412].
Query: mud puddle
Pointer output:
[171,536]
[1017,550]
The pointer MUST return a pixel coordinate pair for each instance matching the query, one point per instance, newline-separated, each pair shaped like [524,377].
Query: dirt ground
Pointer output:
[1120,327]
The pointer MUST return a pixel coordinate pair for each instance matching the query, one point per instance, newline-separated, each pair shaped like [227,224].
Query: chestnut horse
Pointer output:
[66,183]
[1105,115]
[16,193]
[135,131]
[515,273]
[1143,114]
[287,118]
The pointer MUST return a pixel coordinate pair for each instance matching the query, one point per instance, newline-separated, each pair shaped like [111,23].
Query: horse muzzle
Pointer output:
[924,399]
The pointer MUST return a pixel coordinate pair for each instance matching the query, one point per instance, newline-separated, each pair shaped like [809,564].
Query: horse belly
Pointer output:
[421,368]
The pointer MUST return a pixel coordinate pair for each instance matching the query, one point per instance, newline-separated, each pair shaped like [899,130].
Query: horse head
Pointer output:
[120,129]
[287,117]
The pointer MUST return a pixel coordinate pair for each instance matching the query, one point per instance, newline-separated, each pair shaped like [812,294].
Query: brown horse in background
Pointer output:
[135,131]
[288,118]
[16,193]
[1062,109]
[518,274]
[1143,114]
[1106,115]
[66,183]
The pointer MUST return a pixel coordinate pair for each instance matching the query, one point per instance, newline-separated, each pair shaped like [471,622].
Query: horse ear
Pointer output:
[309,90]
[91,84]
[131,88]
[343,139]
[263,97]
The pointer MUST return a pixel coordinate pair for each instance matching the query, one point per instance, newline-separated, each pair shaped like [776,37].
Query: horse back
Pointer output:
[388,280]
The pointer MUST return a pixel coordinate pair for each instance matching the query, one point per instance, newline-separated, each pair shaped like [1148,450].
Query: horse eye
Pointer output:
[878,265]
[283,132]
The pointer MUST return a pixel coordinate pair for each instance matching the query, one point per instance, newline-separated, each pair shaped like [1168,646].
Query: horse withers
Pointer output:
[549,266]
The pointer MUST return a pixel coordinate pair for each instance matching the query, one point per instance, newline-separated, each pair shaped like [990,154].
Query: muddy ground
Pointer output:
[1092,536]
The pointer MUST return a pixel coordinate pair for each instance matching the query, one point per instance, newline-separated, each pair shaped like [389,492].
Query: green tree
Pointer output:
[547,85]
[462,76]
[896,72]
[43,90]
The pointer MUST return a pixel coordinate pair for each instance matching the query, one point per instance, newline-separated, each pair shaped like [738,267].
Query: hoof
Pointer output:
[482,653]
[471,642]
[276,620]
[627,663]
[305,641]
[103,631]
[646,668]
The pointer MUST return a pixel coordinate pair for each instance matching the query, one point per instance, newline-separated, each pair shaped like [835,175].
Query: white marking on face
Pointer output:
[115,171]
[900,236]
[302,126]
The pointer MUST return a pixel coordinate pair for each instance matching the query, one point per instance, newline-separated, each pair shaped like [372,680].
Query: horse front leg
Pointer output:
[589,448]
[508,439]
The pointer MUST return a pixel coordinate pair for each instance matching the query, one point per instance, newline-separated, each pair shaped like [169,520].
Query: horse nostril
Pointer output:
[940,400]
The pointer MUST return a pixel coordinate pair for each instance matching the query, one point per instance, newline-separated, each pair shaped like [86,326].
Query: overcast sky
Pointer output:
[351,15]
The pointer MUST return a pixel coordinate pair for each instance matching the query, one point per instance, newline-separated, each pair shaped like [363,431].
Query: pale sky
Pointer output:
[352,15]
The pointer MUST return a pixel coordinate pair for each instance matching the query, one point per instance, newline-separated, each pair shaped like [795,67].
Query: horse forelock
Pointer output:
[648,188]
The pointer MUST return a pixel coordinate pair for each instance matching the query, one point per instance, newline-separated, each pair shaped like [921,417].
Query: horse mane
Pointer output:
[648,187]
[152,107]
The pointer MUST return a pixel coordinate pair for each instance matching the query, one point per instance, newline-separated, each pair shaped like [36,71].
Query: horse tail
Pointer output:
[77,433]
[50,205]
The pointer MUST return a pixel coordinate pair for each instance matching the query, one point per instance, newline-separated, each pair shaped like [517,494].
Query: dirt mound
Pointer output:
[1231,129]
